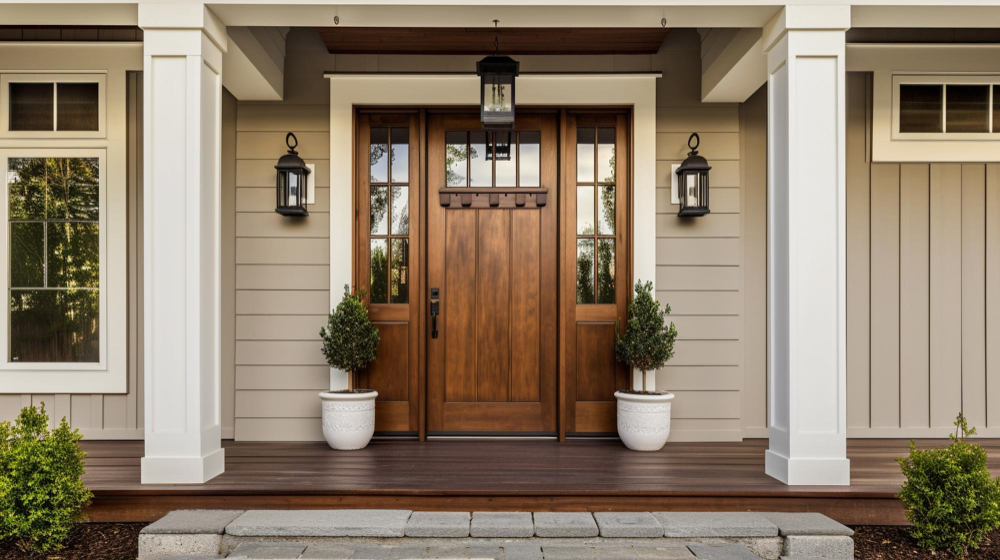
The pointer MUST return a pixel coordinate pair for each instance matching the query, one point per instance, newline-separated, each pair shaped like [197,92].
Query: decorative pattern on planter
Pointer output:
[644,420]
[348,419]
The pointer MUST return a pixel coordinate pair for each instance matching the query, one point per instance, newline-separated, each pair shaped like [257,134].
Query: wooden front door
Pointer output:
[492,259]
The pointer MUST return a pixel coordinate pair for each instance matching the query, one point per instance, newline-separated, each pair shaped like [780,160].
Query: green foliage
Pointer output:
[41,493]
[949,495]
[648,342]
[349,338]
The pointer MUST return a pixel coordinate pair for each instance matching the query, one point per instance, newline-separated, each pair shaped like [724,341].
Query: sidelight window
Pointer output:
[483,158]
[595,215]
[389,224]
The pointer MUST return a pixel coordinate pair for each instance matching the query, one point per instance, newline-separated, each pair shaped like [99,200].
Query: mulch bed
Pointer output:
[895,543]
[88,541]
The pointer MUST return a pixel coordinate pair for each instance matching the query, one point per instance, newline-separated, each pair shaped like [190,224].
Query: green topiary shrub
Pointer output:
[648,342]
[949,495]
[41,493]
[349,338]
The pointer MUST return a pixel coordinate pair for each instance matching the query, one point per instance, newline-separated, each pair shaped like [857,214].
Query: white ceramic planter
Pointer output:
[644,420]
[348,419]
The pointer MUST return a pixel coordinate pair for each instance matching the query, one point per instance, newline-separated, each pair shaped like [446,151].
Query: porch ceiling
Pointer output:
[514,41]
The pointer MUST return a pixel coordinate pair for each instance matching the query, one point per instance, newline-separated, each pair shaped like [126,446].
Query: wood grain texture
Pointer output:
[459,306]
[493,319]
[525,309]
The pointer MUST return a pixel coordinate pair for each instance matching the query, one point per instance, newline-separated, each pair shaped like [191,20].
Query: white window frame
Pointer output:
[54,78]
[891,145]
[63,377]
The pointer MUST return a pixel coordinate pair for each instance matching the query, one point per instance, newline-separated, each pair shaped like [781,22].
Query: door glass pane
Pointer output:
[73,188]
[400,155]
[399,290]
[530,155]
[400,210]
[968,108]
[379,210]
[506,168]
[26,188]
[605,270]
[455,159]
[77,106]
[920,107]
[73,255]
[27,255]
[606,210]
[585,210]
[31,106]
[55,326]
[606,155]
[379,292]
[585,271]
[379,156]
[480,169]
[585,155]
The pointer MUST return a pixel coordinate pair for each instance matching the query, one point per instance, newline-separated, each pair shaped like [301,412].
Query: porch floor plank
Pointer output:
[532,475]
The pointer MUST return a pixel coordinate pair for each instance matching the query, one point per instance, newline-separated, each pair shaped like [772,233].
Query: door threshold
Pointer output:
[491,436]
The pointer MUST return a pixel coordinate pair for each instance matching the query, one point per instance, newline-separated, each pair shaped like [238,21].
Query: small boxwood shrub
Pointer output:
[41,492]
[350,340]
[648,341]
[949,494]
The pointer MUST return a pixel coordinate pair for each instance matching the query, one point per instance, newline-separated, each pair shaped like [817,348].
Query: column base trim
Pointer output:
[183,470]
[811,472]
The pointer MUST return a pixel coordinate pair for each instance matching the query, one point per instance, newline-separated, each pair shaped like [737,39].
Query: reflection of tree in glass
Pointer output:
[456,154]
[611,165]
[607,209]
[585,271]
[379,275]
[54,326]
[606,271]
[400,210]
[399,290]
[379,207]
[375,154]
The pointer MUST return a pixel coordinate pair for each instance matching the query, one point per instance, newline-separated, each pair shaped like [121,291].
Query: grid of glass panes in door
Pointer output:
[54,233]
[595,215]
[388,180]
[483,158]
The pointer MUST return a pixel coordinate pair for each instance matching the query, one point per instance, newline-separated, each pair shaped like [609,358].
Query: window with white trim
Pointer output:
[53,105]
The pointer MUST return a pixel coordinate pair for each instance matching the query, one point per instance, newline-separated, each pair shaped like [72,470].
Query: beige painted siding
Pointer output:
[282,265]
[923,286]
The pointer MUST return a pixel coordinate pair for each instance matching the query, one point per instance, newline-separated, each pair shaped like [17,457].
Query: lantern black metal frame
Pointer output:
[292,181]
[695,168]
[496,70]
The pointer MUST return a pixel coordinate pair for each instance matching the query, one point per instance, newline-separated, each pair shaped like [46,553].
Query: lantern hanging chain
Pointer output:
[496,37]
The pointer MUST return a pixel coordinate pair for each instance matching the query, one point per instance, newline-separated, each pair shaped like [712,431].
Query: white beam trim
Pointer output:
[736,70]
[806,246]
[254,72]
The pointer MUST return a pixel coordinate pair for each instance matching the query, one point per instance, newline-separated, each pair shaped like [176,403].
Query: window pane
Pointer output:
[585,155]
[73,255]
[400,210]
[400,155]
[496,97]
[26,187]
[606,155]
[379,152]
[996,108]
[77,106]
[585,271]
[455,159]
[400,288]
[605,271]
[920,108]
[73,188]
[480,169]
[530,154]
[606,210]
[55,326]
[378,211]
[31,106]
[506,168]
[968,109]
[585,210]
[379,292]
[27,255]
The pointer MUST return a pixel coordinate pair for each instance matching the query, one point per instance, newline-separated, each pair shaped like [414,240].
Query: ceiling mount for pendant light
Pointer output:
[496,74]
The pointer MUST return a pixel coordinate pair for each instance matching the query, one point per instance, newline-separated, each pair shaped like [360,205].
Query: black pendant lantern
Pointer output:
[496,74]
[292,177]
[692,181]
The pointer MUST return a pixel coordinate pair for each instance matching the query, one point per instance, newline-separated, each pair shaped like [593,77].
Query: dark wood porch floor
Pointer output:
[502,475]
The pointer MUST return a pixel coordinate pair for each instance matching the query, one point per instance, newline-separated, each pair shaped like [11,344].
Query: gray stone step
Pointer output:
[321,523]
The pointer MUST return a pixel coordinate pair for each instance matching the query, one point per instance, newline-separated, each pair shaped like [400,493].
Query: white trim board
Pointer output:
[637,91]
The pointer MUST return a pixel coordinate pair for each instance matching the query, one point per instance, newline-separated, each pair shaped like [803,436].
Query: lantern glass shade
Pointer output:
[291,182]
[692,181]
[497,75]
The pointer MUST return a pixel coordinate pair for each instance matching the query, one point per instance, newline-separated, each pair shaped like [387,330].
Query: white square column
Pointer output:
[806,244]
[182,76]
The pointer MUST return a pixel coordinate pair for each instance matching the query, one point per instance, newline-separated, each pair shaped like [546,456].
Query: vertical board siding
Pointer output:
[923,290]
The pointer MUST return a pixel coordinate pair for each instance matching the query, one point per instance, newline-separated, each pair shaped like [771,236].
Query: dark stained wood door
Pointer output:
[492,255]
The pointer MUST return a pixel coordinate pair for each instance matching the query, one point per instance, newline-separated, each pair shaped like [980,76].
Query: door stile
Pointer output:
[422,295]
[562,271]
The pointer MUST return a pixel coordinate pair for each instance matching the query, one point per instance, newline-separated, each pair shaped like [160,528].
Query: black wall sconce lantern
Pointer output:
[292,178]
[496,74]
[692,181]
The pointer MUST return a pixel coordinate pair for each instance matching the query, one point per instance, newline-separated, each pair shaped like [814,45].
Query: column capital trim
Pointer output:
[184,17]
[806,18]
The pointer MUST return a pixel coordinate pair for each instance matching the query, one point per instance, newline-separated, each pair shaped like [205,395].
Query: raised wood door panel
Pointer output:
[596,249]
[492,368]
[387,260]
